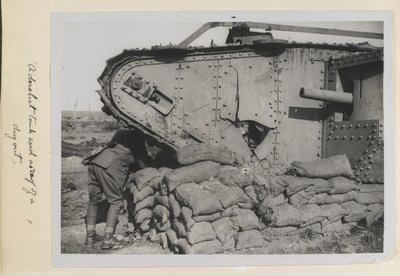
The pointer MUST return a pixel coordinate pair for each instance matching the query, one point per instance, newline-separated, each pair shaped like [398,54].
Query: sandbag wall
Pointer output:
[322,198]
[207,207]
[202,208]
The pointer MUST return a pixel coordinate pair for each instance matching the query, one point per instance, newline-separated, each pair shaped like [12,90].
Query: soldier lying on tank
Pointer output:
[108,168]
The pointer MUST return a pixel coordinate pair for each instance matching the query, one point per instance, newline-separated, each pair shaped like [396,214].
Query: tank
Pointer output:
[260,97]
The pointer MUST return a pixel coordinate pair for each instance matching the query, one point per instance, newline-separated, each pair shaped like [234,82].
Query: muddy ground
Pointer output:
[79,136]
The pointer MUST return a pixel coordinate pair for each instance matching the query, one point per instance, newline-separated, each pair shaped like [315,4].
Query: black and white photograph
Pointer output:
[224,133]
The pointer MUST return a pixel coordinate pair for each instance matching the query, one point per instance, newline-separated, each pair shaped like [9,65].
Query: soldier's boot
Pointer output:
[111,242]
[92,239]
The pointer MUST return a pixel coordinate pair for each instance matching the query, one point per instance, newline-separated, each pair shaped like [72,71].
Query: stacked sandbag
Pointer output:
[337,165]
[208,206]
[195,153]
[203,207]
[322,198]
[371,195]
[212,216]
[145,189]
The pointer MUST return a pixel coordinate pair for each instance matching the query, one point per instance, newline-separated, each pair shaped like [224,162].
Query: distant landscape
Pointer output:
[86,116]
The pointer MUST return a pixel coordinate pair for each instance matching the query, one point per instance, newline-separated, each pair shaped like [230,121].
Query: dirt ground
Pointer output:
[81,136]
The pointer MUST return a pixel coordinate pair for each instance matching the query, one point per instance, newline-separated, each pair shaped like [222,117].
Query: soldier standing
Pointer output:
[108,168]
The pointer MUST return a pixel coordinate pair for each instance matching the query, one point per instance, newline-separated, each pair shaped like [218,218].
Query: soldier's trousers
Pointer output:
[108,183]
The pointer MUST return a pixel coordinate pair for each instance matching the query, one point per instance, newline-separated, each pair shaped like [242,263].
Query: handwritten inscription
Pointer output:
[30,187]
[13,137]
[23,136]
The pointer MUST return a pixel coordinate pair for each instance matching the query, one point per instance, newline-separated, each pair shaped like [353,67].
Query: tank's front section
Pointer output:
[246,98]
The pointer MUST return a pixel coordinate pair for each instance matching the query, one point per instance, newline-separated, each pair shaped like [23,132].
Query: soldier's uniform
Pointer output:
[108,173]
[108,168]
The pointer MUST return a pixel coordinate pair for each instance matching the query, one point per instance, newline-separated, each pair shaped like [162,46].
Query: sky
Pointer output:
[89,39]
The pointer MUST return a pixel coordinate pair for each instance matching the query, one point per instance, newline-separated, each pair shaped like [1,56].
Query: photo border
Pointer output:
[151,260]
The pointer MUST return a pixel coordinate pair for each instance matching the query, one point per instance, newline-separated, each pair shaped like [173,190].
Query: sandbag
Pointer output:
[261,181]
[163,240]
[163,227]
[164,170]
[370,188]
[144,176]
[174,205]
[324,198]
[142,215]
[208,218]
[342,185]
[246,220]
[282,180]
[194,173]
[278,200]
[312,228]
[297,184]
[229,245]
[155,183]
[319,186]
[186,216]
[311,214]
[292,184]
[277,186]
[279,231]
[206,247]
[318,182]
[352,207]
[370,198]
[201,201]
[153,237]
[231,176]
[172,238]
[333,211]
[134,191]
[356,212]
[286,215]
[373,213]
[337,227]
[353,218]
[142,194]
[337,165]
[249,239]
[179,228]
[163,188]
[251,193]
[228,196]
[316,220]
[148,202]
[225,229]
[231,211]
[201,231]
[161,200]
[245,205]
[162,213]
[300,198]
[194,153]
[184,246]
[320,190]
[145,226]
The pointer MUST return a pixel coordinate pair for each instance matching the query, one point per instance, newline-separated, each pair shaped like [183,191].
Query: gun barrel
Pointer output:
[326,95]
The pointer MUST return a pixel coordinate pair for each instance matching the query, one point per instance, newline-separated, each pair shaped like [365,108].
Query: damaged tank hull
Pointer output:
[247,98]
